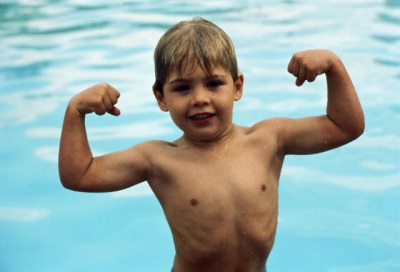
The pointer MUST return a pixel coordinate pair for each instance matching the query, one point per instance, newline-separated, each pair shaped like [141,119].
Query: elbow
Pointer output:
[77,183]
[72,186]
[70,177]
[69,182]
[351,127]
[359,127]
[356,130]
[360,130]
[68,186]
[65,179]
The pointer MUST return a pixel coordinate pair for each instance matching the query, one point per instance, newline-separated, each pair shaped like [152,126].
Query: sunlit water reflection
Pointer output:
[338,210]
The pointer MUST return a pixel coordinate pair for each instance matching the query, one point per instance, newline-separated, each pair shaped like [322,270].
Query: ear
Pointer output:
[239,87]
[160,99]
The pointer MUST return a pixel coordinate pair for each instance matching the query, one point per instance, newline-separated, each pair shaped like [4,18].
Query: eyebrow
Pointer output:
[185,80]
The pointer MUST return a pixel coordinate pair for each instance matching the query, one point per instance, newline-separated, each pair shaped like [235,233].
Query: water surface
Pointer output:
[339,211]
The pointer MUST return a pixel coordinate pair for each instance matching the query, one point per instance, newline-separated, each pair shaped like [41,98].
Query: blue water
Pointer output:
[339,211]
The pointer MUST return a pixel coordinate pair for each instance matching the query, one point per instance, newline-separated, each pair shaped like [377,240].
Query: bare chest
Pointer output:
[219,204]
[221,187]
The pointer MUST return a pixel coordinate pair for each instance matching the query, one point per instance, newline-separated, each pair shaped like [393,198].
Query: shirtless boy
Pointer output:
[218,182]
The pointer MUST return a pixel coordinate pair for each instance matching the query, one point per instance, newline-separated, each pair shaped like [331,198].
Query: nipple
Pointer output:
[194,202]
[263,187]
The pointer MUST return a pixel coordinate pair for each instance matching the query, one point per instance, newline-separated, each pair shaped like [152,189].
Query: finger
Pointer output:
[302,76]
[114,94]
[117,93]
[296,69]
[311,75]
[291,65]
[113,98]
[107,103]
[115,111]
[100,109]
[299,82]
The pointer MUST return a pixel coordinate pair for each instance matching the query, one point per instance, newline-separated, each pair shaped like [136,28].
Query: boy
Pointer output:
[218,183]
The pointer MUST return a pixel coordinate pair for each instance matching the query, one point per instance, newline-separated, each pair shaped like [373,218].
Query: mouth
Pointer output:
[202,118]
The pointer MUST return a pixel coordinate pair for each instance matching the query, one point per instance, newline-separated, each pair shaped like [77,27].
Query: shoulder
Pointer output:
[154,146]
[271,131]
[272,126]
[267,130]
[145,153]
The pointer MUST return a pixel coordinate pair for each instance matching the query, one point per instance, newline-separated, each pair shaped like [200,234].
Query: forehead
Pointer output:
[196,70]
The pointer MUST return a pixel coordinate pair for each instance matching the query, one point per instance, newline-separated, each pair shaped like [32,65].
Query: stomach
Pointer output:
[224,238]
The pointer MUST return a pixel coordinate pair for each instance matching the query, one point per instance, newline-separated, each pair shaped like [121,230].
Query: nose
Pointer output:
[200,97]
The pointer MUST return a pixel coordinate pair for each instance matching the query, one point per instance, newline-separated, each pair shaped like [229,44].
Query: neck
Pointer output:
[221,139]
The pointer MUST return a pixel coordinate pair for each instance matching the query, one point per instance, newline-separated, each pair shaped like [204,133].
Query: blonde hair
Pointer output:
[193,42]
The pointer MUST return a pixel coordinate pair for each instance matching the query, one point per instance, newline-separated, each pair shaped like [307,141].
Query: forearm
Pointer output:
[344,107]
[75,155]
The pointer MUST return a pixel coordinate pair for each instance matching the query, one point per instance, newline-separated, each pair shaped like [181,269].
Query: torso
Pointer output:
[221,201]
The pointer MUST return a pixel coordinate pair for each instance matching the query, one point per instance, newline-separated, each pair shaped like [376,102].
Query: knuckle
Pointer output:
[100,111]
[103,88]
[104,85]
[297,55]
[98,104]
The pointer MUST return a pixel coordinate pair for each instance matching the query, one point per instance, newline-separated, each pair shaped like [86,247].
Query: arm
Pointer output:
[344,120]
[77,168]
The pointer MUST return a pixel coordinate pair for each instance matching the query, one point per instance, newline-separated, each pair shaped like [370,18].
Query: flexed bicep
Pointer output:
[115,171]
[75,156]
[309,135]
[344,120]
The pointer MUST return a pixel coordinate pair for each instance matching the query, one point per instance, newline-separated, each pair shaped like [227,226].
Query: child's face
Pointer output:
[199,104]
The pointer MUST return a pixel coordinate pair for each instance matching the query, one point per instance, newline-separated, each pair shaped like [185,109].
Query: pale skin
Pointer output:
[218,183]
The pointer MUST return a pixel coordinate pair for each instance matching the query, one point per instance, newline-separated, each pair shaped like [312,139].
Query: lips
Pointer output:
[202,118]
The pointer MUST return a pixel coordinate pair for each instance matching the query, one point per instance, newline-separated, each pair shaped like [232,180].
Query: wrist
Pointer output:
[335,66]
[73,108]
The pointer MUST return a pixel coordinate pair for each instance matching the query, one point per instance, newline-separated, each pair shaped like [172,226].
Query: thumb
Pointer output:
[115,111]
[299,82]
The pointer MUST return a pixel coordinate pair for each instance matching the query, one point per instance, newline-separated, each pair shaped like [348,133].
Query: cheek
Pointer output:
[177,107]
[177,112]
[226,103]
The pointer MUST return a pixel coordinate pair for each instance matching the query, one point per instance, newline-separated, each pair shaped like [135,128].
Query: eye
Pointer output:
[182,88]
[213,84]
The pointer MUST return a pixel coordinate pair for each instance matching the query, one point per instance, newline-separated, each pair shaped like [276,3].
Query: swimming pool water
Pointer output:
[339,211]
